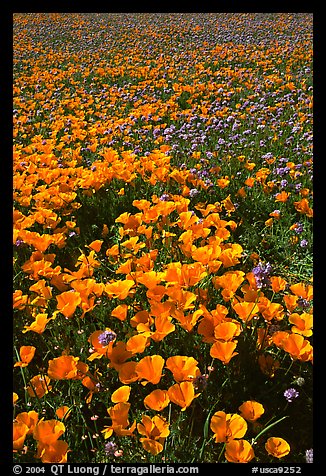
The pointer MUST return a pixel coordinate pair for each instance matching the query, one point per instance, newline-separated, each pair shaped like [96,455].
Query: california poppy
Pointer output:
[268,365]
[302,323]
[26,353]
[20,431]
[29,418]
[183,367]
[226,331]
[137,343]
[149,369]
[155,429]
[121,394]
[48,431]
[63,412]
[298,347]
[127,372]
[251,410]
[163,327]
[63,367]
[56,452]
[227,426]
[68,302]
[120,422]
[39,324]
[224,351]
[120,312]
[277,447]
[239,451]
[119,289]
[182,394]
[246,310]
[157,400]
[39,386]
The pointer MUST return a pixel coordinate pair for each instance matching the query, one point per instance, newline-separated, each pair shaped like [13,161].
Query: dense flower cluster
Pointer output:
[163,205]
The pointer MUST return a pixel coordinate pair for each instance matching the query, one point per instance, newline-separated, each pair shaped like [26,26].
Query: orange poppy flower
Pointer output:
[141,317]
[39,324]
[120,422]
[227,426]
[251,410]
[26,353]
[188,321]
[149,369]
[302,291]
[39,386]
[68,302]
[96,245]
[302,323]
[290,301]
[150,279]
[118,355]
[127,372]
[121,394]
[230,256]
[277,447]
[137,343]
[55,453]
[19,300]
[119,289]
[163,327]
[157,400]
[302,206]
[120,312]
[278,284]
[246,310]
[182,394]
[63,367]
[63,412]
[20,430]
[282,196]
[226,331]
[239,451]
[270,310]
[298,347]
[48,431]
[156,293]
[183,368]
[186,219]
[224,351]
[155,429]
[29,418]
[229,281]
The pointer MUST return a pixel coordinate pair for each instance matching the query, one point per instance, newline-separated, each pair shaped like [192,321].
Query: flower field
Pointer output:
[163,212]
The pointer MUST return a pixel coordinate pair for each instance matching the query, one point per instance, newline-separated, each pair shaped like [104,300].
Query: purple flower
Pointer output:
[110,448]
[303,303]
[290,394]
[164,197]
[193,192]
[303,243]
[298,228]
[106,337]
[261,273]
[310,456]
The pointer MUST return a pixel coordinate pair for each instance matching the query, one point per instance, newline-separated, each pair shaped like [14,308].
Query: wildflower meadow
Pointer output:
[162,241]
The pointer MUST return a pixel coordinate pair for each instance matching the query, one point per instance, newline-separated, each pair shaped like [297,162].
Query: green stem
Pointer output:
[268,428]
[220,455]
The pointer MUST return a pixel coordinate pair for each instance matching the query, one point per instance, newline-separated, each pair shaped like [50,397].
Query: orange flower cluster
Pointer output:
[153,278]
